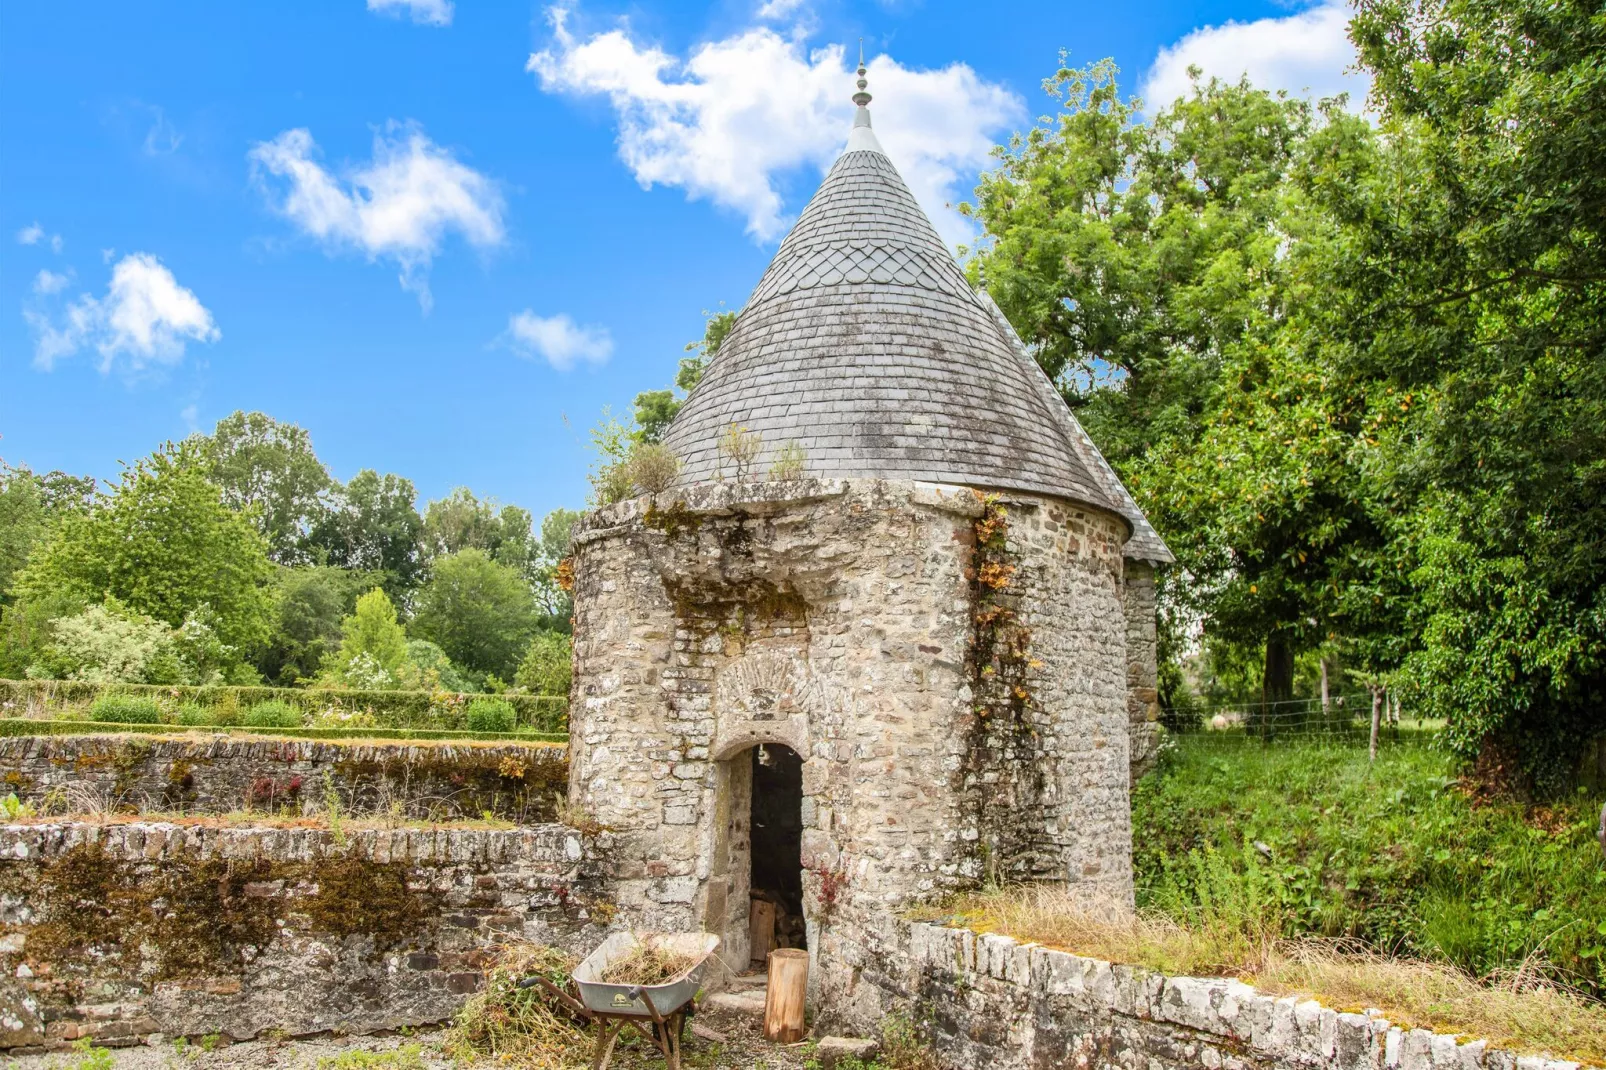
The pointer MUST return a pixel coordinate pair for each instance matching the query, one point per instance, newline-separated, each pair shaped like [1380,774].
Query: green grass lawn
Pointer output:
[1323,842]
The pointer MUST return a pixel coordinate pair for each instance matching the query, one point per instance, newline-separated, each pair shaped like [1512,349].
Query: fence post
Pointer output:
[1377,711]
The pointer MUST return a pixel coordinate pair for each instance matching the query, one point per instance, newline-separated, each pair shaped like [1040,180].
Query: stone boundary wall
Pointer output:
[135,932]
[995,1002]
[221,774]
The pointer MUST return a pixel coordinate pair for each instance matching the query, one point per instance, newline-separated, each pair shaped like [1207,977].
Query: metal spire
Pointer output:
[861,98]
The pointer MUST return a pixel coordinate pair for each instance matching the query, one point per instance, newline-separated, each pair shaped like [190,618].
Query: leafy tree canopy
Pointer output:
[373,526]
[461,521]
[162,543]
[481,612]
[268,469]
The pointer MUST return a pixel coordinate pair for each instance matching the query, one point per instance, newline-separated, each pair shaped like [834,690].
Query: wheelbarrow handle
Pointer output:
[558,994]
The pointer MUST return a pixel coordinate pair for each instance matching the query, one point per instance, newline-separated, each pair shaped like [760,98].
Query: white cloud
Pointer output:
[779,9]
[729,120]
[49,282]
[33,234]
[557,339]
[146,317]
[1305,52]
[400,206]
[428,12]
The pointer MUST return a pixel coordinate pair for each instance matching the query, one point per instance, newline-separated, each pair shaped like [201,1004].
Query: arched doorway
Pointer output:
[775,891]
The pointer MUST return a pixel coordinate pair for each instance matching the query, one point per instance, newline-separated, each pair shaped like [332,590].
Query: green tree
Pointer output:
[480,612]
[557,528]
[373,526]
[373,646]
[460,521]
[268,469]
[162,543]
[1161,271]
[109,643]
[548,665]
[310,607]
[1475,286]
[655,410]
[28,505]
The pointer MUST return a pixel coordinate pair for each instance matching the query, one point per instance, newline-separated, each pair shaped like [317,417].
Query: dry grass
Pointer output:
[1520,1013]
[648,963]
[521,1026]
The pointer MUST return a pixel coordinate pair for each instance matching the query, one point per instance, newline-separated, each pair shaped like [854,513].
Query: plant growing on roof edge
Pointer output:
[740,447]
[789,463]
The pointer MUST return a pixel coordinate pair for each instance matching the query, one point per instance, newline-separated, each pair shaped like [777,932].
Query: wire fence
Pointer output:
[1342,719]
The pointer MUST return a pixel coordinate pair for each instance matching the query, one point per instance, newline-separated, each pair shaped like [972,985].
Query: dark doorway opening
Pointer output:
[777,850]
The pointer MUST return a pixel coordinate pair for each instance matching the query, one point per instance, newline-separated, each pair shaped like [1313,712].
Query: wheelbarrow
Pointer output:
[658,1012]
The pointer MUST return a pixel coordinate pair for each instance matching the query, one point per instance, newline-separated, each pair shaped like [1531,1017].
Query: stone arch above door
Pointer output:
[768,695]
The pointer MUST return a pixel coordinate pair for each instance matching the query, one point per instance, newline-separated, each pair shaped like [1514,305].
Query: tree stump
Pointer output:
[783,1000]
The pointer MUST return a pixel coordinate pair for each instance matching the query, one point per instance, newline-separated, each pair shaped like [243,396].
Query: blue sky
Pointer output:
[442,236]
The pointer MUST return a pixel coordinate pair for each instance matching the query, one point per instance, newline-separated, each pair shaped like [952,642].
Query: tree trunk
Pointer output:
[783,1001]
[1277,682]
[1326,704]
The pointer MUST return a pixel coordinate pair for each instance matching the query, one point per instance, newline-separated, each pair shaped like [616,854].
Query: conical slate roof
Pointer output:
[865,345]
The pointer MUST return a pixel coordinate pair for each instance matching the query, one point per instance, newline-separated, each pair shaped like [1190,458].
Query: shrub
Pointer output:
[272,714]
[490,715]
[652,467]
[789,463]
[740,447]
[193,714]
[548,665]
[125,709]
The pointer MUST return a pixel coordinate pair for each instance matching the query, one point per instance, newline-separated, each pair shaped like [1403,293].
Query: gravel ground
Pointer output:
[743,1049]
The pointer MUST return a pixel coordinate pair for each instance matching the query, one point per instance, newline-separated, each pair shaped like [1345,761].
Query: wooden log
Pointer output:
[761,929]
[783,1000]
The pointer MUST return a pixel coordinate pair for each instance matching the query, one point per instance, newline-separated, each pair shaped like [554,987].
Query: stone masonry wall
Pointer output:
[128,932]
[837,618]
[188,774]
[990,1001]
[1142,665]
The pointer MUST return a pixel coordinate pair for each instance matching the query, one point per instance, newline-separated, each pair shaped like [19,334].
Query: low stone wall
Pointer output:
[219,774]
[992,1001]
[127,932]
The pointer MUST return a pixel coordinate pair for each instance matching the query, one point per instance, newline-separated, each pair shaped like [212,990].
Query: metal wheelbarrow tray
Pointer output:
[658,1012]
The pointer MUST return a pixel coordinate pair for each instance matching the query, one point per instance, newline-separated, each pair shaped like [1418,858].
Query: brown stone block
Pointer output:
[464,984]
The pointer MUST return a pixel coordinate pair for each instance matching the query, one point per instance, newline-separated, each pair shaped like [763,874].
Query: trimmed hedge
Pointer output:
[24,726]
[412,710]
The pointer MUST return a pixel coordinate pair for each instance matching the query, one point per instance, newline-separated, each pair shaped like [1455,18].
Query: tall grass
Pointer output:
[1320,842]
[1228,938]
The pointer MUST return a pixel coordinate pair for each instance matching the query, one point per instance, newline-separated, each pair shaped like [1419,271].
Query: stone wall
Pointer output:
[123,932]
[1142,665]
[839,618]
[220,774]
[991,1001]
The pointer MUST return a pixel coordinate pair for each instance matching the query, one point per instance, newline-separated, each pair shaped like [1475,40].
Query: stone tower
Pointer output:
[923,663]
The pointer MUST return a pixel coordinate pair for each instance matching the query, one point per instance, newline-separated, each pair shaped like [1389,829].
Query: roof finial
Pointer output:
[861,98]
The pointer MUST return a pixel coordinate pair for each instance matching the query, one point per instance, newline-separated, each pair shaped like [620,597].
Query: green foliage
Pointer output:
[652,467]
[480,612]
[194,715]
[1163,271]
[29,503]
[655,410]
[1478,299]
[272,714]
[162,543]
[548,665]
[111,643]
[790,462]
[394,710]
[373,525]
[434,670]
[407,1057]
[373,646]
[268,471]
[89,1057]
[1317,840]
[126,709]
[490,715]
[557,527]
[310,607]
[461,521]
